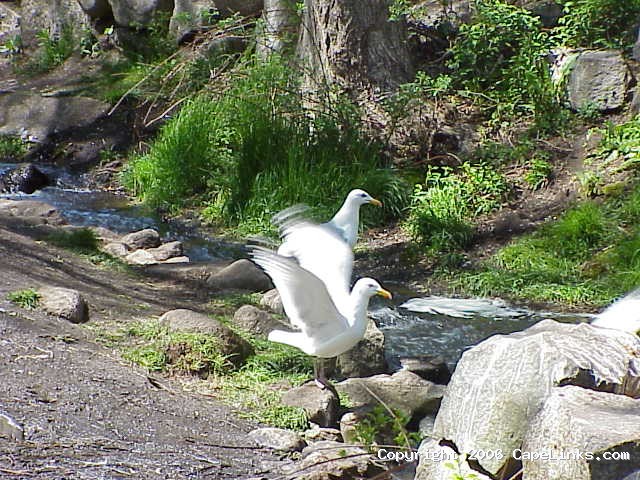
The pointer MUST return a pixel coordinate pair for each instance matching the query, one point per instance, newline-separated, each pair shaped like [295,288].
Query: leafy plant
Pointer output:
[11,148]
[52,50]
[83,240]
[599,23]
[539,172]
[379,425]
[27,299]
[621,142]
[442,210]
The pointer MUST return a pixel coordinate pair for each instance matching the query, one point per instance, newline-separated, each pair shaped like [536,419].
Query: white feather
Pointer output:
[624,314]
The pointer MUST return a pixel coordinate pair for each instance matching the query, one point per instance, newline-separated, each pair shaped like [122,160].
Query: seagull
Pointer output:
[623,314]
[344,222]
[328,326]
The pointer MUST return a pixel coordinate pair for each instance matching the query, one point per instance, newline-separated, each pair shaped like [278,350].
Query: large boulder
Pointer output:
[320,405]
[256,321]
[500,384]
[574,422]
[403,390]
[234,347]
[38,117]
[598,79]
[366,358]
[140,257]
[27,179]
[240,275]
[272,301]
[166,251]
[64,303]
[96,9]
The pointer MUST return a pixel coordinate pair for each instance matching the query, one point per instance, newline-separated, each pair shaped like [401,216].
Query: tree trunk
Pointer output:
[279,30]
[353,44]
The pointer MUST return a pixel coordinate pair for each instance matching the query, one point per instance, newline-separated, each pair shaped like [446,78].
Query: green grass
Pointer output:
[247,153]
[442,212]
[254,389]
[11,148]
[84,242]
[27,299]
[587,257]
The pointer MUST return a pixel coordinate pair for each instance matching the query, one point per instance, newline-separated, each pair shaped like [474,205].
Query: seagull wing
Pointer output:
[305,298]
[320,250]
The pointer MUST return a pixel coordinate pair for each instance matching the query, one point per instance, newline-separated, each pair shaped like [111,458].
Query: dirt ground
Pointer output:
[87,413]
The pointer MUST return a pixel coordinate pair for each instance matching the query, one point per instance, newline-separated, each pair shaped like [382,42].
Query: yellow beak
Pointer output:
[375,202]
[384,293]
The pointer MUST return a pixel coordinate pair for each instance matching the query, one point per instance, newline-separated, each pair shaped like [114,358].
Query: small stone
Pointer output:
[272,301]
[348,426]
[403,390]
[366,358]
[321,406]
[11,429]
[117,249]
[318,434]
[147,238]
[428,367]
[278,439]
[241,275]
[234,347]
[257,321]
[166,251]
[140,257]
[181,259]
[64,303]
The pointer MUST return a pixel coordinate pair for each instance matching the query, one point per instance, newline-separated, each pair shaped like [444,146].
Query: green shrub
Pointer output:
[52,51]
[621,142]
[538,173]
[500,56]
[11,148]
[27,299]
[442,211]
[83,240]
[599,23]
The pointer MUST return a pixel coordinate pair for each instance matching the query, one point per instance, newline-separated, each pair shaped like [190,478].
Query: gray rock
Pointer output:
[10,429]
[328,460]
[38,118]
[227,45]
[403,390]
[240,275]
[38,15]
[256,321]
[321,406]
[180,259]
[27,179]
[435,460]
[228,8]
[140,257]
[425,427]
[96,9]
[33,210]
[278,29]
[272,301]
[105,235]
[435,13]
[366,358]
[599,78]
[147,238]
[64,303]
[166,251]
[117,249]
[573,420]
[319,434]
[130,13]
[500,384]
[548,11]
[232,345]
[429,367]
[278,439]
[348,426]
[635,53]
[9,23]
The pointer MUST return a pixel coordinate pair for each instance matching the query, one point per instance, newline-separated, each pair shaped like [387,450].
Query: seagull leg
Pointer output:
[320,378]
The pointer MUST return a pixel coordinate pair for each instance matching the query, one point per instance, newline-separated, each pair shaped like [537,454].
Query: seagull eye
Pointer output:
[363,195]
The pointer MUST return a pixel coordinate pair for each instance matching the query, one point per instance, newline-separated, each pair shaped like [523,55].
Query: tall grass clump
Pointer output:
[252,150]
[442,210]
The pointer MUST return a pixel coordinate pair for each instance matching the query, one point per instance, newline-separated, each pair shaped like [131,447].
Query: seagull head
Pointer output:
[360,197]
[369,287]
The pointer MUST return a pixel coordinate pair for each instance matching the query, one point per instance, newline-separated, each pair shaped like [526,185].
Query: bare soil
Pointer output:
[87,413]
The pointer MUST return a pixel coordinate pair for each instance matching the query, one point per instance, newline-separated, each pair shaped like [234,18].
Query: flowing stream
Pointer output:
[412,326]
